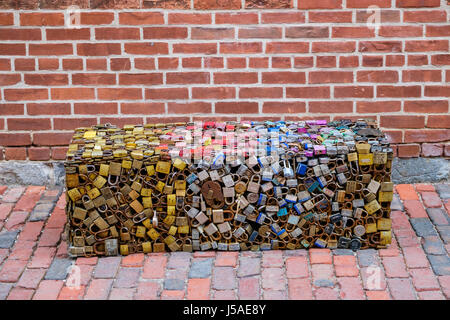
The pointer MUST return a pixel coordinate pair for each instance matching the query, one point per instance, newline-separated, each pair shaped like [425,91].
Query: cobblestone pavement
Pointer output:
[34,262]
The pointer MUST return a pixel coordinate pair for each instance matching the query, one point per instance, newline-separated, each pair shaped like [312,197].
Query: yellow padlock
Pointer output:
[160,186]
[126,164]
[146,247]
[147,202]
[179,164]
[150,170]
[74,194]
[352,157]
[140,231]
[384,224]
[171,200]
[163,167]
[372,206]
[153,234]
[93,193]
[104,170]
[366,159]
[145,192]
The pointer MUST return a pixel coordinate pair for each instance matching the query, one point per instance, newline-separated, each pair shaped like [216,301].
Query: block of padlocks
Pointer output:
[228,186]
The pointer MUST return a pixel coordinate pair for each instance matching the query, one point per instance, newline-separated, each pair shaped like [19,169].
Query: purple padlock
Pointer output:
[302,130]
[321,122]
[320,150]
[309,153]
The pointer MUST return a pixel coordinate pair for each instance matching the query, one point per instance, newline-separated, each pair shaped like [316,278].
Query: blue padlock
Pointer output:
[282,212]
[301,169]
[299,208]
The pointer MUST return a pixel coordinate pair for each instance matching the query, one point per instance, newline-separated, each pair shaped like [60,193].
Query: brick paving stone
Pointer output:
[272,259]
[373,278]
[22,250]
[406,192]
[433,245]
[58,269]
[424,279]
[444,233]
[438,216]
[226,259]
[249,267]
[4,290]
[50,237]
[179,260]
[395,267]
[20,294]
[3,254]
[443,190]
[133,260]
[127,277]
[154,267]
[5,210]
[274,295]
[81,273]
[147,291]
[322,272]
[444,281]
[342,252]
[300,289]
[401,289]
[30,278]
[224,295]
[48,290]
[7,238]
[201,268]
[176,274]
[92,261]
[321,256]
[98,289]
[351,288]
[297,267]
[323,283]
[121,294]
[440,264]
[430,295]
[345,266]
[72,293]
[400,220]
[249,288]
[198,289]
[367,257]
[391,251]
[326,294]
[272,278]
[431,200]
[423,187]
[396,204]
[172,295]
[423,227]
[13,194]
[42,257]
[42,211]
[224,278]
[204,254]
[377,295]
[415,257]
[174,284]
[57,220]
[16,220]
[11,270]
[31,231]
[415,209]
[107,267]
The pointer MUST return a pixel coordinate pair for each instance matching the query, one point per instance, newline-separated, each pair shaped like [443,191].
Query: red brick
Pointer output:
[236,63]
[426,45]
[378,107]
[72,293]
[284,107]
[11,270]
[91,261]
[324,4]
[421,75]
[226,259]
[41,19]
[272,278]
[425,16]
[236,107]
[154,267]
[40,154]
[48,63]
[395,267]
[98,289]
[99,49]
[147,291]
[377,295]
[30,278]
[15,49]
[297,267]
[50,237]
[29,124]
[419,106]
[351,288]
[415,209]
[235,77]
[430,295]
[133,260]
[261,33]
[187,77]
[141,18]
[198,289]
[119,93]
[401,289]
[325,294]
[329,16]
[96,18]
[431,200]
[380,46]
[367,3]
[395,60]
[415,257]
[15,153]
[96,64]
[352,32]
[283,77]
[172,295]
[25,94]
[240,47]
[15,220]
[212,4]
[417,3]
[237,18]
[308,92]
[325,62]
[353,92]
[287,47]
[348,62]
[330,106]
[283,17]
[426,135]
[6,19]
[189,18]
[300,289]
[18,293]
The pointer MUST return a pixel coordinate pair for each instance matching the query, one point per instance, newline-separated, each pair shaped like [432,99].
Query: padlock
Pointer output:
[372,207]
[371,225]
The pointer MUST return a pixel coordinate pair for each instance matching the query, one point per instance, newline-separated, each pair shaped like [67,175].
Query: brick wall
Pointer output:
[134,61]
